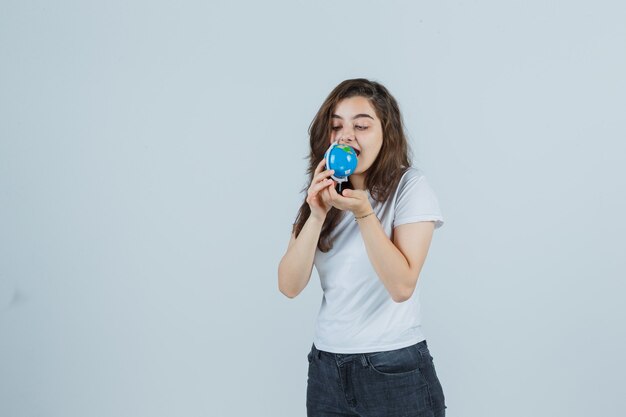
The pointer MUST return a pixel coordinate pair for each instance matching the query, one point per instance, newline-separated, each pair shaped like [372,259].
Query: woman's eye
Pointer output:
[357,126]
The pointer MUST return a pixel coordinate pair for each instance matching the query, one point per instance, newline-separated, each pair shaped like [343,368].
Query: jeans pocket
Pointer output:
[427,368]
[396,362]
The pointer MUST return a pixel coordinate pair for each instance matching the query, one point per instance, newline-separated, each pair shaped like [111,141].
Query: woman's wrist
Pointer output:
[363,211]
[317,220]
[364,216]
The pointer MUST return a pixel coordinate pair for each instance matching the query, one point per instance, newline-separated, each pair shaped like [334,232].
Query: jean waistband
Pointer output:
[347,357]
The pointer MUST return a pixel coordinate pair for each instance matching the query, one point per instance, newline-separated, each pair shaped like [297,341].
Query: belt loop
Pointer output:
[364,360]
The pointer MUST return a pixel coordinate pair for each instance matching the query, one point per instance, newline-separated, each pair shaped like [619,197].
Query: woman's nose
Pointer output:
[346,135]
[346,140]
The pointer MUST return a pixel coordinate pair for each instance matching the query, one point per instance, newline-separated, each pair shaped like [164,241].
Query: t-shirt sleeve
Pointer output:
[417,202]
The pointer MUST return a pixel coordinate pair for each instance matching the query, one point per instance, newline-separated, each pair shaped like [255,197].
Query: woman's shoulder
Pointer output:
[411,173]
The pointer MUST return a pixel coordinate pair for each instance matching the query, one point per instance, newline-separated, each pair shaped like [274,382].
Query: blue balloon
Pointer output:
[341,158]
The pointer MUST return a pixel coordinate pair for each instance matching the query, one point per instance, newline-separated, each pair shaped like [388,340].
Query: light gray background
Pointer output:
[151,160]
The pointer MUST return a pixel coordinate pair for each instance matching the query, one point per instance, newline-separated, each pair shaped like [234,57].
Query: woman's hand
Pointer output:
[354,200]
[317,195]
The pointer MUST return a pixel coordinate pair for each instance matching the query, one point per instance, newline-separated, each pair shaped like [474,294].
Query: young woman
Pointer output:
[369,356]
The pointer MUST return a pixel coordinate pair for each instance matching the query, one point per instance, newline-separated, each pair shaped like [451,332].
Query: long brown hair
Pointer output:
[383,176]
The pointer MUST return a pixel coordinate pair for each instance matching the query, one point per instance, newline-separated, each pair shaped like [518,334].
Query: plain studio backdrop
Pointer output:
[152,157]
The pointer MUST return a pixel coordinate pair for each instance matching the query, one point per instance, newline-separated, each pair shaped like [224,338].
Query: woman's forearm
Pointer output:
[389,263]
[294,270]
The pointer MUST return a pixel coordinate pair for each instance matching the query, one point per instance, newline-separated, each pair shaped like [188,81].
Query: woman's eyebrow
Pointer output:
[336,116]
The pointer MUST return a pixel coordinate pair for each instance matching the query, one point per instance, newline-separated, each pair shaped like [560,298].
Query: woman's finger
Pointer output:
[320,173]
[319,186]
[320,166]
[323,175]
[326,197]
[333,193]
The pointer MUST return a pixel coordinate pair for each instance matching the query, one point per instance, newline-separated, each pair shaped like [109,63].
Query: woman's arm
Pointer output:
[397,263]
[294,270]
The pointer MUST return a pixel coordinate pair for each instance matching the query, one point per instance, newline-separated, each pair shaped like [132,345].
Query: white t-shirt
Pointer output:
[357,314]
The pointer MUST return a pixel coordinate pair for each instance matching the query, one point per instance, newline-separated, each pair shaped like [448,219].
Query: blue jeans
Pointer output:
[392,383]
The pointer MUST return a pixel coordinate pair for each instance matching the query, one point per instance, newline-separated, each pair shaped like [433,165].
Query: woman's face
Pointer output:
[354,123]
